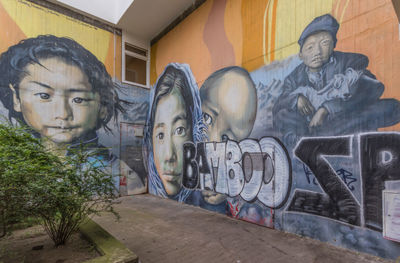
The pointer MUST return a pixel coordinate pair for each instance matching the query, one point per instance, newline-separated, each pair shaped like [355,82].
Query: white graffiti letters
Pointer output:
[254,170]
[273,195]
[235,172]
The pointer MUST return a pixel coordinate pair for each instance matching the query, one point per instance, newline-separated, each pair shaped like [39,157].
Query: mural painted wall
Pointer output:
[283,113]
[61,77]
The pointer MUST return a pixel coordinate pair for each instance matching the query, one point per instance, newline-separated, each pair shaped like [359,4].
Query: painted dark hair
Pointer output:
[30,51]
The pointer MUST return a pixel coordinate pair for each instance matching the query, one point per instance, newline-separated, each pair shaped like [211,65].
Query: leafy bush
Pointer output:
[22,161]
[61,191]
[84,188]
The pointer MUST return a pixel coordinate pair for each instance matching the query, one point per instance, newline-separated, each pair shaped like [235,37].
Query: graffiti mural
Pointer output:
[287,121]
[62,89]
[229,104]
[330,92]
[175,118]
[251,169]
[49,87]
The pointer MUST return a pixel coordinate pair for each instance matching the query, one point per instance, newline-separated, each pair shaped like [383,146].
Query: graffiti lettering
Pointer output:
[249,168]
[347,178]
[379,162]
[191,168]
[338,202]
[215,153]
[235,172]
[308,174]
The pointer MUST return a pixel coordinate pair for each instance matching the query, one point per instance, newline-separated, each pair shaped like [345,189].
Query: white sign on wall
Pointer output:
[391,215]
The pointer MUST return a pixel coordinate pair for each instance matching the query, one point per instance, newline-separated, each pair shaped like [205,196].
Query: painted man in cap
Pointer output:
[331,92]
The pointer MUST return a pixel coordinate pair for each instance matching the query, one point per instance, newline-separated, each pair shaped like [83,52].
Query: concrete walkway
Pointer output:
[161,230]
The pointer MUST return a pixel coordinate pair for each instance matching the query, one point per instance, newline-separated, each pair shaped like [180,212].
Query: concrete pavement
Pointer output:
[162,230]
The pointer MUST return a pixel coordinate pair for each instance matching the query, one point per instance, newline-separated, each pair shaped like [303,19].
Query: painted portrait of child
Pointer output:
[59,89]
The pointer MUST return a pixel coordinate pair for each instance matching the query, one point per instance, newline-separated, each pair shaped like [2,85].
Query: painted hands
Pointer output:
[304,106]
[318,118]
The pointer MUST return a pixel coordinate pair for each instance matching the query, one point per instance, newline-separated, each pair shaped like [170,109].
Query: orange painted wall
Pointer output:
[13,35]
[186,42]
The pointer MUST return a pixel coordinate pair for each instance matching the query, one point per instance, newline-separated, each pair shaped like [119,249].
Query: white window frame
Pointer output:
[135,55]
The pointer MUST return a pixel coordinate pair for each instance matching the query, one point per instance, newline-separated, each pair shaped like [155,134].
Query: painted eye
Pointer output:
[181,131]
[207,119]
[43,96]
[160,136]
[78,100]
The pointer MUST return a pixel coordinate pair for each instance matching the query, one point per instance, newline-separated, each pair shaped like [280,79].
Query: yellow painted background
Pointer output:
[21,19]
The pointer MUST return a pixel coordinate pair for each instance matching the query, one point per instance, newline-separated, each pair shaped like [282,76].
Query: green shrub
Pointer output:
[85,187]
[23,160]
[61,191]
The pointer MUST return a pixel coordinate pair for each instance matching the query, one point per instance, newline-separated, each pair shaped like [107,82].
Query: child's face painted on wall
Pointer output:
[57,100]
[317,50]
[229,106]
[170,130]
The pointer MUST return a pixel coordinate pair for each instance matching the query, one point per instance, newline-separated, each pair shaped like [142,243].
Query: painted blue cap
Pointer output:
[322,23]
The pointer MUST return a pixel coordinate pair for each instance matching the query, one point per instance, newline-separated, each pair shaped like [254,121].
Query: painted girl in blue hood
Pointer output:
[174,118]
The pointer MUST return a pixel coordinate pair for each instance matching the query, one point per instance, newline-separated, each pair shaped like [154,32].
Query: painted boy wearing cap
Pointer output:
[331,92]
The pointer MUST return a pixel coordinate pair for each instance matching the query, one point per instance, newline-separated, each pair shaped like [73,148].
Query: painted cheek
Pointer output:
[44,110]
[179,152]
[30,113]
[85,116]
[80,115]
[157,155]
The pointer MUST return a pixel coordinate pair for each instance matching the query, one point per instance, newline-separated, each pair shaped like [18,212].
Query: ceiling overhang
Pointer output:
[143,19]
[110,11]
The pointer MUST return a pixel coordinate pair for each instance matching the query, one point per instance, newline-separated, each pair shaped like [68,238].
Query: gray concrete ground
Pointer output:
[161,230]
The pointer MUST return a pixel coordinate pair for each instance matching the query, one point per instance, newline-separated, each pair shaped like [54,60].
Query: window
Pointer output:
[396,5]
[134,65]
